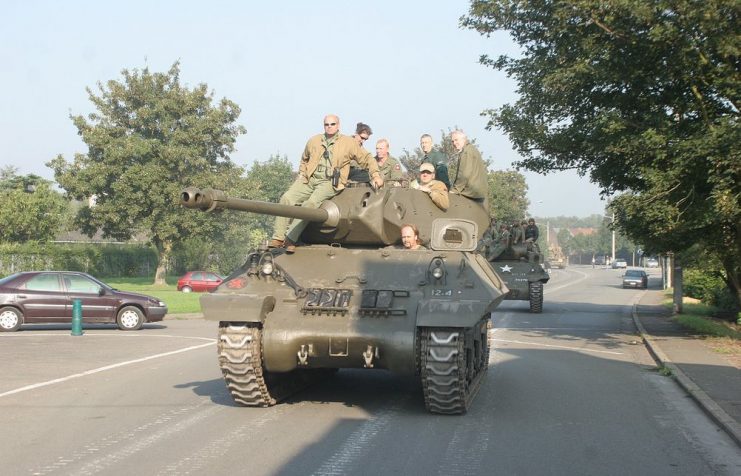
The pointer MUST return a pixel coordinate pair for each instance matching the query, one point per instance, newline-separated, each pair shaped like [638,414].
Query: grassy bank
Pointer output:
[177,302]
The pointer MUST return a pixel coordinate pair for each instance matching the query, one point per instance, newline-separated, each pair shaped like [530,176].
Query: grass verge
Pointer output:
[177,302]
[721,336]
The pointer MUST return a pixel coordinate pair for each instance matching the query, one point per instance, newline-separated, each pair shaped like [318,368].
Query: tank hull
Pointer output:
[388,296]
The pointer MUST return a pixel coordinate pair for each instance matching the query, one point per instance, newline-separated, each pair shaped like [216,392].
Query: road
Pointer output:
[570,391]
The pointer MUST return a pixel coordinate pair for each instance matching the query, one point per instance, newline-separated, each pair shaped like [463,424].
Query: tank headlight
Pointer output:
[267,268]
[437,273]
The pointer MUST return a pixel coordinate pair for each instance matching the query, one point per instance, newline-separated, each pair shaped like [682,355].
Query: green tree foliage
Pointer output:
[32,210]
[242,232]
[508,196]
[641,95]
[149,137]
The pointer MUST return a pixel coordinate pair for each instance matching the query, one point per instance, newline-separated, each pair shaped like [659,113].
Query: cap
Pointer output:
[427,167]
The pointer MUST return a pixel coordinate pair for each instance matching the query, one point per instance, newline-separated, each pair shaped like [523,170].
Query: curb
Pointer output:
[712,409]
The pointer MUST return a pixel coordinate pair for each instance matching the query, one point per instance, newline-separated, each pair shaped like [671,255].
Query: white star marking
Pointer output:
[506,268]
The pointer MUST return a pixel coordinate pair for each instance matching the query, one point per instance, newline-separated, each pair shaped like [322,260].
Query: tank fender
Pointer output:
[236,307]
[446,313]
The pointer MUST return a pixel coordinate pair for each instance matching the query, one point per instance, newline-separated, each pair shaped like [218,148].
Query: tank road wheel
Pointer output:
[536,297]
[240,360]
[10,319]
[453,361]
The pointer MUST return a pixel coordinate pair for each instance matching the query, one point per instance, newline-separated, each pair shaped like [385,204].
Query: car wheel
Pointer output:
[186,289]
[130,318]
[10,319]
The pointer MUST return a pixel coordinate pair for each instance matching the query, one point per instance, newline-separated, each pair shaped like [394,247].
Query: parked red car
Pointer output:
[199,281]
[47,297]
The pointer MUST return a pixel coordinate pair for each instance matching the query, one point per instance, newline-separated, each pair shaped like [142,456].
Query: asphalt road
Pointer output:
[570,391]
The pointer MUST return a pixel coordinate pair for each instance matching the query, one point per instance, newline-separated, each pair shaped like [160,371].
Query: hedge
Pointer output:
[100,260]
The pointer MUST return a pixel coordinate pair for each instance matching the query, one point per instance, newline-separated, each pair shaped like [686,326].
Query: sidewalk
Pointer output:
[706,376]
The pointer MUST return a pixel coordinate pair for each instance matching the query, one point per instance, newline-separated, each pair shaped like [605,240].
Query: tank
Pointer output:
[520,265]
[350,298]
[556,257]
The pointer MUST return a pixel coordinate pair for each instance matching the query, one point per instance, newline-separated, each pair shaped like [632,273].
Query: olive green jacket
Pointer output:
[343,150]
[471,178]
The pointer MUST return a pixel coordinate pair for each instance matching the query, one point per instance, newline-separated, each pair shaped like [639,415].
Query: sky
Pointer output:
[405,68]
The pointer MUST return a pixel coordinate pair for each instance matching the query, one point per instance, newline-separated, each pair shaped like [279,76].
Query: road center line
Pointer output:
[579,349]
[103,369]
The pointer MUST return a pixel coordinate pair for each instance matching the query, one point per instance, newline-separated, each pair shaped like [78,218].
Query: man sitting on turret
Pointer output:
[437,190]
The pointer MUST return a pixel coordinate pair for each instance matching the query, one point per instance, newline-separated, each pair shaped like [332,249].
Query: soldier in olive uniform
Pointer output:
[471,177]
[436,158]
[322,173]
[388,166]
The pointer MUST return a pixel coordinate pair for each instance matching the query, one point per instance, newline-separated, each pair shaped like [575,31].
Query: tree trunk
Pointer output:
[733,281]
[164,257]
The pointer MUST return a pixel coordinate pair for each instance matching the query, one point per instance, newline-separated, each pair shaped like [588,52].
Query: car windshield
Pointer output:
[633,273]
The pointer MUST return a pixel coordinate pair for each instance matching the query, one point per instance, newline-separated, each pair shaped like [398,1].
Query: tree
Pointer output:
[508,196]
[150,137]
[33,210]
[643,96]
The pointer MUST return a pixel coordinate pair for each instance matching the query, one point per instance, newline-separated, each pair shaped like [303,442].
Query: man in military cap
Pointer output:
[322,173]
[388,166]
[436,158]
[471,176]
[437,190]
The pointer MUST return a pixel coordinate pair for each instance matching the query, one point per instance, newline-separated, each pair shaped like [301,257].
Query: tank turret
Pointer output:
[357,216]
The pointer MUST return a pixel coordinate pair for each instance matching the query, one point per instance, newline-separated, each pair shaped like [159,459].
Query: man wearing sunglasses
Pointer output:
[322,173]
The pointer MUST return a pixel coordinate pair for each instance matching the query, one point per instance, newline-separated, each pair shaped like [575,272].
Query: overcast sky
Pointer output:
[405,68]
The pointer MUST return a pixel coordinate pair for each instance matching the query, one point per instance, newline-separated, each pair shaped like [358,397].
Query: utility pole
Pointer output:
[613,237]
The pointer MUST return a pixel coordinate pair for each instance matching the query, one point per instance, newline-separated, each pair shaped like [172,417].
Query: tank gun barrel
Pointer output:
[210,199]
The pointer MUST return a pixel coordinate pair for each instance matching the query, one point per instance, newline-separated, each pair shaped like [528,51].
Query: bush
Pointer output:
[703,285]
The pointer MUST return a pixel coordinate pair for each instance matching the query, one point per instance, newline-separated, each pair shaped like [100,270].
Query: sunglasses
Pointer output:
[327,124]
[425,172]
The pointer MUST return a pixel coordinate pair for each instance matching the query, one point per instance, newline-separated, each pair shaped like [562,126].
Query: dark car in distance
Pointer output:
[199,281]
[635,278]
[46,297]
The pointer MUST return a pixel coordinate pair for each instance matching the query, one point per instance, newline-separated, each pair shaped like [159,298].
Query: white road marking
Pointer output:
[99,334]
[103,369]
[548,289]
[578,349]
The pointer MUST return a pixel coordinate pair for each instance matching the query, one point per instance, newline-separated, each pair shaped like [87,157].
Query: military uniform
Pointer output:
[471,177]
[436,158]
[391,169]
[322,160]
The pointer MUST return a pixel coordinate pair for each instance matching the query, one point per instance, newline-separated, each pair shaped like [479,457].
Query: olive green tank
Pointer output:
[349,298]
[520,265]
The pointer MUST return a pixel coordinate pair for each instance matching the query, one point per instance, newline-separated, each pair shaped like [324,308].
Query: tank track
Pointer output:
[536,297]
[453,362]
[240,360]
